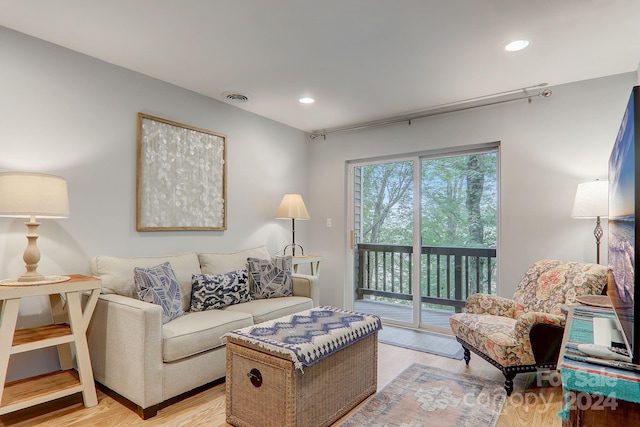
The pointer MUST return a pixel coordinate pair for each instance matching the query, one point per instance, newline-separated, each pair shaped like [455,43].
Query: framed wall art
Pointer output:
[181,177]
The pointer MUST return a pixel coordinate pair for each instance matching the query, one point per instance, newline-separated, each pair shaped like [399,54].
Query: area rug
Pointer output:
[427,396]
[429,342]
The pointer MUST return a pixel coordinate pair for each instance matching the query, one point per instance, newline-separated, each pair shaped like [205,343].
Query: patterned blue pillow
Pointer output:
[209,291]
[158,285]
[270,278]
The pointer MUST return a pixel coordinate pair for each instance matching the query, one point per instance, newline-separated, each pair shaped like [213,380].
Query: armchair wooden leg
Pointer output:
[508,383]
[467,355]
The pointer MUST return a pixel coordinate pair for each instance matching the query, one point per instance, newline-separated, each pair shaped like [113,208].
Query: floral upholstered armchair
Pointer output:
[524,334]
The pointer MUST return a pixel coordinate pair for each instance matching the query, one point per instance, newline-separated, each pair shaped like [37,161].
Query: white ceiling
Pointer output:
[360,59]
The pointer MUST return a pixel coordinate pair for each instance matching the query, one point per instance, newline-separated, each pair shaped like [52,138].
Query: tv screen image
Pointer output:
[623,238]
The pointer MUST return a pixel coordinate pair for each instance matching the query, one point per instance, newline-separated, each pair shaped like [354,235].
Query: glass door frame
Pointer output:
[350,206]
[416,158]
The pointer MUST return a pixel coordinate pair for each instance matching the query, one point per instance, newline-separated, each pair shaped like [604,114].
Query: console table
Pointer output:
[69,326]
[596,395]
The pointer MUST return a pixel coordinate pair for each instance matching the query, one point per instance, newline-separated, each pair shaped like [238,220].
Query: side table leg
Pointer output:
[8,320]
[58,316]
[79,330]
[315,270]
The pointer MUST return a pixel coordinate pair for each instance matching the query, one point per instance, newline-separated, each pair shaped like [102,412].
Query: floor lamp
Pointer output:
[292,207]
[592,201]
[33,195]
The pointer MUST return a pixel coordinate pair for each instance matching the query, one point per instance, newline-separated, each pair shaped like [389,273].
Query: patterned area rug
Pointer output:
[429,342]
[427,396]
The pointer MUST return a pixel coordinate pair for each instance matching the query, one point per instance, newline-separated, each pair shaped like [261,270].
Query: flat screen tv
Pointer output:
[624,199]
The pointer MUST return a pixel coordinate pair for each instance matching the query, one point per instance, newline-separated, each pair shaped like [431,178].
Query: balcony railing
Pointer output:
[448,275]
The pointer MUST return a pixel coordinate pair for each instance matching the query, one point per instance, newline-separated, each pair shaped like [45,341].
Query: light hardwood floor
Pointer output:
[529,405]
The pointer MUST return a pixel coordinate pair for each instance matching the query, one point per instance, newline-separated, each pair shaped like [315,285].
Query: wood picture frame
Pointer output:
[181,179]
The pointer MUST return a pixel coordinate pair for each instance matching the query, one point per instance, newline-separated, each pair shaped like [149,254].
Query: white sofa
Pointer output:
[135,355]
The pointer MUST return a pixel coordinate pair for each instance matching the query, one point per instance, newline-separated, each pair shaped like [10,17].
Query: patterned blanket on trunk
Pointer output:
[310,335]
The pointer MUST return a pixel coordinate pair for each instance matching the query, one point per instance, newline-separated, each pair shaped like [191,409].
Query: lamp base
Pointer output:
[597,232]
[46,280]
[293,249]
[31,276]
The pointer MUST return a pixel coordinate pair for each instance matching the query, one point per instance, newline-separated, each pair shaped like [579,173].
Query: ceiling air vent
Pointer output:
[236,97]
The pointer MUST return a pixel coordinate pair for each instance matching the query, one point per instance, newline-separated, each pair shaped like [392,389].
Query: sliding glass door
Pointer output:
[423,236]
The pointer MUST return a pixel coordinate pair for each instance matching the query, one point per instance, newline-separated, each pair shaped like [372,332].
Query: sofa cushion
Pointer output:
[158,285]
[211,291]
[270,278]
[221,262]
[199,331]
[116,273]
[272,308]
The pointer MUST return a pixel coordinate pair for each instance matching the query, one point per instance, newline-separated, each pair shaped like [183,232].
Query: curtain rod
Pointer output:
[463,105]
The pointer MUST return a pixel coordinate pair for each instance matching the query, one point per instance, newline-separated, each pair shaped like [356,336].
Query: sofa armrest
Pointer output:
[308,286]
[490,304]
[528,320]
[125,344]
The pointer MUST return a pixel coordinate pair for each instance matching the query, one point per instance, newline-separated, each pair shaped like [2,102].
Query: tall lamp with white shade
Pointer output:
[33,195]
[292,207]
[592,201]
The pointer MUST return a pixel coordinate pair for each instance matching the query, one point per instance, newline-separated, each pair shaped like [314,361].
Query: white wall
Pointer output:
[547,148]
[71,115]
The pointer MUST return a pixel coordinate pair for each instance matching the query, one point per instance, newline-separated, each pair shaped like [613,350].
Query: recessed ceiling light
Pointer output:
[307,100]
[516,45]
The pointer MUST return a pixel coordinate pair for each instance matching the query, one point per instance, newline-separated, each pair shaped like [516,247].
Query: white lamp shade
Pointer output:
[23,195]
[592,200]
[292,206]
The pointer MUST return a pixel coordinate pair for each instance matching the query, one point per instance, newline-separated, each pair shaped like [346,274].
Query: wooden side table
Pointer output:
[596,395]
[69,326]
[312,260]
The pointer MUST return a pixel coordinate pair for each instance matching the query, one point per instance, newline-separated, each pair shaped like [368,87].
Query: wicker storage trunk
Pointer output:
[265,389]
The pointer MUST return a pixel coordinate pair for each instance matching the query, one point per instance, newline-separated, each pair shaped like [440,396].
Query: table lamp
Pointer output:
[592,201]
[292,206]
[33,195]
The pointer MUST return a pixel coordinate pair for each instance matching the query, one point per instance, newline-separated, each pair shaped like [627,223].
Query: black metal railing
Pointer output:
[448,275]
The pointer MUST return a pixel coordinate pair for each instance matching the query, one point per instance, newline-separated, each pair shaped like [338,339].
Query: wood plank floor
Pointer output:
[529,405]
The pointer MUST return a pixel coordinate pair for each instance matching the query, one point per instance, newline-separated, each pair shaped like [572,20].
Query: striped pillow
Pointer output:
[270,278]
[158,285]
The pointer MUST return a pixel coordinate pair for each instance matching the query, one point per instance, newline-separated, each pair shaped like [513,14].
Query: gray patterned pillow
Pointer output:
[158,285]
[210,291]
[270,278]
